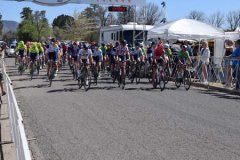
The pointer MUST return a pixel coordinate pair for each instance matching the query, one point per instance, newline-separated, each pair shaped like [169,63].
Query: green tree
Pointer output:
[40,22]
[33,27]
[62,26]
[26,31]
[27,14]
[85,27]
[63,21]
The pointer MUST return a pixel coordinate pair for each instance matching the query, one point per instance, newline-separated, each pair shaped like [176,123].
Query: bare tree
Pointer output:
[101,15]
[216,19]
[233,19]
[151,12]
[111,19]
[196,15]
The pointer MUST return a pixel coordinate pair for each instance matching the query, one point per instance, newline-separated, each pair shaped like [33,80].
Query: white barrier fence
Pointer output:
[17,127]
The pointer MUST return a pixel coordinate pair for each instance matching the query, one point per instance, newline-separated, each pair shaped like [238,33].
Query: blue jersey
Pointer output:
[236,54]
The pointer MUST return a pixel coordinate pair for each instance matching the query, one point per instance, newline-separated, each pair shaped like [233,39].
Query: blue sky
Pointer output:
[176,9]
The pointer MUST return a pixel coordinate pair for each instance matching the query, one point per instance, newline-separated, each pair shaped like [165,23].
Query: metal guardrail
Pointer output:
[17,127]
[220,70]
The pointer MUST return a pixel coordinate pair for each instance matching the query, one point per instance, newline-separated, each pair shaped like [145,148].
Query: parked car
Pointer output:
[10,51]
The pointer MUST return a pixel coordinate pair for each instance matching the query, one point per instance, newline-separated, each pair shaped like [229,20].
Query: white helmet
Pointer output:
[166,45]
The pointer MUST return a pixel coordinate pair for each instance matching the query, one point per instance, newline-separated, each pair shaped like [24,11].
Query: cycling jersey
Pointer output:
[137,53]
[168,52]
[21,46]
[51,47]
[104,50]
[85,54]
[183,56]
[97,53]
[159,51]
[34,50]
[150,52]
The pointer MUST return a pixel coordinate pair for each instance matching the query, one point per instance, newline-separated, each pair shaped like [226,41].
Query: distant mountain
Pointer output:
[9,26]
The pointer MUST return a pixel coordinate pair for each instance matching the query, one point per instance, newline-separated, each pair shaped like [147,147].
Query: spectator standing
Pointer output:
[228,69]
[205,55]
[236,63]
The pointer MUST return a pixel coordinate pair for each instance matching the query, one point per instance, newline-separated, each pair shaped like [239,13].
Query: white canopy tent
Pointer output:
[187,29]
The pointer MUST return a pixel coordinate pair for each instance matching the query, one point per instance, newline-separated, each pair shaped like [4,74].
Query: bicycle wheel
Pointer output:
[38,69]
[177,81]
[138,73]
[95,74]
[187,80]
[167,75]
[162,80]
[115,76]
[132,76]
[31,73]
[80,83]
[87,82]
[123,83]
[155,81]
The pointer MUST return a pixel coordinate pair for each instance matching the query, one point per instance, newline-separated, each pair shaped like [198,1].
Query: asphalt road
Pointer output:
[139,123]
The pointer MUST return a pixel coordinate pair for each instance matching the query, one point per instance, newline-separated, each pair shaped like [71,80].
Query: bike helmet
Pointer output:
[166,45]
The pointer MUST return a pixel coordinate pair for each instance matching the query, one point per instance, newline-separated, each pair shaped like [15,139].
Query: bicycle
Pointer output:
[160,77]
[21,67]
[35,67]
[135,72]
[118,75]
[94,73]
[84,79]
[183,76]
[52,72]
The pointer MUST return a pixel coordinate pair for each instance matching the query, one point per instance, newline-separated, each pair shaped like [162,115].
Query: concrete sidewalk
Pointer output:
[218,87]
[7,148]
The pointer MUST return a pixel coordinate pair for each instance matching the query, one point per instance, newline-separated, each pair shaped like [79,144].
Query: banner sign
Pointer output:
[100,2]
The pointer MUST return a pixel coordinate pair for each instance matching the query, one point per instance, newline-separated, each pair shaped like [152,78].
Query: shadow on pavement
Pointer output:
[64,90]
[220,95]
[34,86]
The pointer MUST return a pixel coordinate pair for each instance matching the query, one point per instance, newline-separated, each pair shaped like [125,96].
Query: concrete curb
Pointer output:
[220,89]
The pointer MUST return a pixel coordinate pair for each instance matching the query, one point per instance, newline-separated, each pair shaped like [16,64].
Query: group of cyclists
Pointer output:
[120,60]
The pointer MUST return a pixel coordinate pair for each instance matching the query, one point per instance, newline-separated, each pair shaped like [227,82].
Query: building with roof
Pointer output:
[131,32]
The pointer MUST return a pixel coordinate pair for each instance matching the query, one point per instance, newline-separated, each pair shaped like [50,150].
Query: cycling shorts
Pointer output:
[96,59]
[52,56]
[123,58]
[21,53]
[34,56]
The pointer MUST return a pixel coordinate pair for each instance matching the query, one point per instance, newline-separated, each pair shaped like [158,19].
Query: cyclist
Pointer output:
[137,53]
[21,49]
[122,52]
[97,57]
[158,58]
[75,54]
[64,50]
[168,56]
[34,54]
[111,51]
[52,50]
[85,56]
[104,53]
[41,51]
[183,56]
